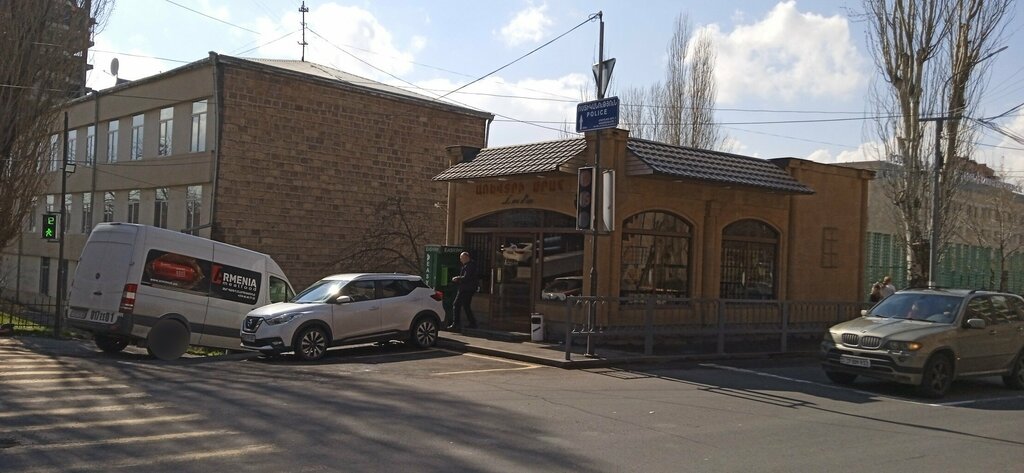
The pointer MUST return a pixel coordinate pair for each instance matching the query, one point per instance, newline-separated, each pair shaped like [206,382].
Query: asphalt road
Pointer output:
[65,407]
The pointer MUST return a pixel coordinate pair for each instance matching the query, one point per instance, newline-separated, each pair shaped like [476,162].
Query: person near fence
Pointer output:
[467,282]
[887,288]
[876,292]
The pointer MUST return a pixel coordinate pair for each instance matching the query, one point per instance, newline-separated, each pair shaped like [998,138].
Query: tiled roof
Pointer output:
[714,166]
[514,160]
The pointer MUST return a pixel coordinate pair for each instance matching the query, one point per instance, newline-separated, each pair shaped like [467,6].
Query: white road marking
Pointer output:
[100,423]
[980,401]
[117,441]
[387,354]
[82,387]
[492,358]
[31,373]
[143,461]
[815,383]
[489,371]
[84,397]
[79,410]
[54,380]
[35,364]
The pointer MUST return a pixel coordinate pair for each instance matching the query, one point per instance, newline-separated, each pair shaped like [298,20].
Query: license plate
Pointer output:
[101,316]
[854,361]
[77,313]
[248,337]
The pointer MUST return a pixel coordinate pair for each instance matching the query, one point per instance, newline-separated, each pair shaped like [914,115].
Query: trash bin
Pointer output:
[537,327]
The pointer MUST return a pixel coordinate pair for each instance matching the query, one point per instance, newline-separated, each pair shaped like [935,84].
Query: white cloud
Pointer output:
[786,55]
[505,132]
[871,151]
[528,25]
[1006,156]
[220,13]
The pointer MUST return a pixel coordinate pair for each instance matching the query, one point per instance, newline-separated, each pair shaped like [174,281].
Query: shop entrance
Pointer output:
[514,284]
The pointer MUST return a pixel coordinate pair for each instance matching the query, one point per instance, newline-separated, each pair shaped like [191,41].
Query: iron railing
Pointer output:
[36,312]
[702,326]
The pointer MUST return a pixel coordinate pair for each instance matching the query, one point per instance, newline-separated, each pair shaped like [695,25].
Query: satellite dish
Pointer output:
[114,66]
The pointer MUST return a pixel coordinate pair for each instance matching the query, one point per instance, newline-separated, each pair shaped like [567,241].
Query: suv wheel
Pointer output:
[311,344]
[424,332]
[841,378]
[1015,380]
[938,376]
[110,344]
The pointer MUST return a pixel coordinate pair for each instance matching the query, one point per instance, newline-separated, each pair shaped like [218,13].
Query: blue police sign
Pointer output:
[597,115]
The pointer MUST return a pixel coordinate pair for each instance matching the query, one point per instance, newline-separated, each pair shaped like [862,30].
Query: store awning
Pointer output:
[530,158]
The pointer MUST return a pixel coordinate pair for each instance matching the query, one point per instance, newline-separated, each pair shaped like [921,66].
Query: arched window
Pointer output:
[749,253]
[655,255]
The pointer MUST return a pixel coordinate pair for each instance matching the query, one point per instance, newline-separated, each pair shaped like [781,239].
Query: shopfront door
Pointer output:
[514,281]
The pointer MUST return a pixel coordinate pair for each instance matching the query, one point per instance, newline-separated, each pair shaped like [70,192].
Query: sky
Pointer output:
[793,76]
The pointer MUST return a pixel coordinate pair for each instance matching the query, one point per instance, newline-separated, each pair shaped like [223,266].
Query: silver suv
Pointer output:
[346,309]
[928,338]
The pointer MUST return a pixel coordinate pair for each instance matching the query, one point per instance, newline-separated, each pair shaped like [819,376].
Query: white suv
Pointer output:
[346,309]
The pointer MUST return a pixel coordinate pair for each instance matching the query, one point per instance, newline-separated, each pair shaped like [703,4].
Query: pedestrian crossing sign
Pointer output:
[50,226]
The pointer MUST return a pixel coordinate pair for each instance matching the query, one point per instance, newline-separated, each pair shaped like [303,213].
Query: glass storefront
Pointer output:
[526,256]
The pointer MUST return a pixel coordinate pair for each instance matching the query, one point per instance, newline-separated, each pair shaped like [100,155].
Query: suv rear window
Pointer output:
[396,287]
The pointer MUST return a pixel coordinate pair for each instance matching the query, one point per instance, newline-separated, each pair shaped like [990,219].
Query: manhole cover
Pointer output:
[8,442]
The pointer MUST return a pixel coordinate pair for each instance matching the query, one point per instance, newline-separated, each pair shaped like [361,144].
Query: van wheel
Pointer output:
[424,332]
[938,376]
[110,344]
[168,340]
[1015,380]
[311,344]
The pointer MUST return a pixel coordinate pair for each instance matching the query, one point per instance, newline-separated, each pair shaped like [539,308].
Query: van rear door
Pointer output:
[102,273]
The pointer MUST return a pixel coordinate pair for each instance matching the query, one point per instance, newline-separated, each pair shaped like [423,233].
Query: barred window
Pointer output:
[655,255]
[749,249]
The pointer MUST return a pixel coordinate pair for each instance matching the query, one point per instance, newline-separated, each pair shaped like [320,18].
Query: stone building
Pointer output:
[294,159]
[685,222]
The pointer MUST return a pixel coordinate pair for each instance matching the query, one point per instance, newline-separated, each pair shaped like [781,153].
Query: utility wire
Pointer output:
[172,2]
[268,42]
[538,48]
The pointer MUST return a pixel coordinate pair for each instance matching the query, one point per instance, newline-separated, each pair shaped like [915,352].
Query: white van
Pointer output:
[166,290]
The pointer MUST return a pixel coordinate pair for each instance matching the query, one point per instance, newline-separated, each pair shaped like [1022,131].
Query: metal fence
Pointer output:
[701,326]
[23,312]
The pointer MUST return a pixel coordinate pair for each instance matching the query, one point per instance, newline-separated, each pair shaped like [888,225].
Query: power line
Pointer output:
[538,48]
[267,43]
[172,2]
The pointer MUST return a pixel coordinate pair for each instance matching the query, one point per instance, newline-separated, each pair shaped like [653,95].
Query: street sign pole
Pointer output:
[592,314]
[58,313]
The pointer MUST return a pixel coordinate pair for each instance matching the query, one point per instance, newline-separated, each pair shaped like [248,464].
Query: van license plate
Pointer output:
[248,337]
[101,316]
[77,313]
[854,361]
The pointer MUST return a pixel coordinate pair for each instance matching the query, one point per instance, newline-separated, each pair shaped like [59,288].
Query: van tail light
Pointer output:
[128,298]
[438,295]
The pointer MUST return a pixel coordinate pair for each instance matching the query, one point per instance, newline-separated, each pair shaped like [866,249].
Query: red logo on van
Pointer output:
[217,274]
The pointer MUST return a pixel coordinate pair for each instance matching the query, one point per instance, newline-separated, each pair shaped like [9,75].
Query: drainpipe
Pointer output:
[218,95]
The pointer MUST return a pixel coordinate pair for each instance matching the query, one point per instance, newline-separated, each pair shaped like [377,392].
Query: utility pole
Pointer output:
[303,9]
[58,313]
[933,246]
[598,208]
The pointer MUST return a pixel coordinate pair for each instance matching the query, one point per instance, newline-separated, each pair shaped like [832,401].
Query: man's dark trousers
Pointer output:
[463,301]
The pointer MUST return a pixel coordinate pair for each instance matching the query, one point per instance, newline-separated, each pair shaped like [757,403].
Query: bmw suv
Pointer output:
[928,338]
[346,309]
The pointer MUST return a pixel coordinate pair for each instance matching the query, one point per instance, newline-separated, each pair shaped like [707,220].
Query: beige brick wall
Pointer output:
[303,164]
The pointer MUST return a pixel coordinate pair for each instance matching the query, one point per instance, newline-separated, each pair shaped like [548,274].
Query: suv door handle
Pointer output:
[993,332]
[374,308]
[98,293]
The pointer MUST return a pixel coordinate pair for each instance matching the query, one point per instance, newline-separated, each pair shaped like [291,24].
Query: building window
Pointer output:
[108,206]
[72,146]
[90,145]
[166,131]
[55,152]
[133,206]
[112,141]
[33,215]
[51,204]
[655,255]
[44,276]
[198,126]
[67,212]
[137,124]
[87,212]
[830,247]
[749,249]
[160,208]
[193,206]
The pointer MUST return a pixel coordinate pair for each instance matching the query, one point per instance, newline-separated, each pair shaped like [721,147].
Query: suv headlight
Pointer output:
[283,318]
[903,346]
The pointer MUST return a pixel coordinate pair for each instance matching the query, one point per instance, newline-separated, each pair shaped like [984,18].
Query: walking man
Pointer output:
[887,288]
[467,281]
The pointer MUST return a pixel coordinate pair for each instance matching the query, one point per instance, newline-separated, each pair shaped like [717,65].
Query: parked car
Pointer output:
[346,309]
[930,337]
[559,288]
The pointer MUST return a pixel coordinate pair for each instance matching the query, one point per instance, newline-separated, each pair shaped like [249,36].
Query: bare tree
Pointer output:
[994,221]
[43,65]
[911,41]
[680,110]
[394,242]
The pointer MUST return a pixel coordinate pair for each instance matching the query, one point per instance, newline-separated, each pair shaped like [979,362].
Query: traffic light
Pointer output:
[585,199]
[50,226]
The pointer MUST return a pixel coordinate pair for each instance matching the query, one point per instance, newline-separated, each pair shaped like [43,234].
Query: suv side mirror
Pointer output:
[343,300]
[863,312]
[976,323]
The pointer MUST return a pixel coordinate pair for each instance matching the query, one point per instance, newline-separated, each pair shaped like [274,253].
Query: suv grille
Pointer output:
[854,340]
[252,323]
[850,339]
[870,342]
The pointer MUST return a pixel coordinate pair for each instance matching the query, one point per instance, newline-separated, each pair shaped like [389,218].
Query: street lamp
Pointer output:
[936,218]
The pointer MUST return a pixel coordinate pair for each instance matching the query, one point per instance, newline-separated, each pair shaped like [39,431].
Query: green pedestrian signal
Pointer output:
[50,226]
